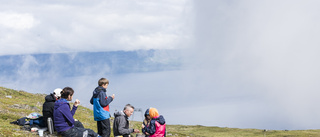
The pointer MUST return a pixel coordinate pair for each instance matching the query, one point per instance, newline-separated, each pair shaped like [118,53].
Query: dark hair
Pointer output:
[128,106]
[103,81]
[66,92]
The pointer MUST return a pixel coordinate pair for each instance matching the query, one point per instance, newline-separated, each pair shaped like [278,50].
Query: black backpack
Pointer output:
[20,122]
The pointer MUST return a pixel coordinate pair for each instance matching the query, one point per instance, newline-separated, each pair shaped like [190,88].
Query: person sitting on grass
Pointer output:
[63,117]
[48,105]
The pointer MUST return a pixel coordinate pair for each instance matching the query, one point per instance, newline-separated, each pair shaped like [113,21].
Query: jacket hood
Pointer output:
[146,113]
[119,113]
[50,98]
[60,102]
[160,119]
[97,91]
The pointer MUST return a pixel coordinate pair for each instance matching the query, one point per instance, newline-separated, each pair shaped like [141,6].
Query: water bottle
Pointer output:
[85,133]
[50,125]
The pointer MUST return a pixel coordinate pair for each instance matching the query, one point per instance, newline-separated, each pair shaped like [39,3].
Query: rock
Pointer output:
[39,104]
[24,106]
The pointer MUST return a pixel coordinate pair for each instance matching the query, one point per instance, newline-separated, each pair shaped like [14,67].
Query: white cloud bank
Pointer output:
[16,21]
[76,26]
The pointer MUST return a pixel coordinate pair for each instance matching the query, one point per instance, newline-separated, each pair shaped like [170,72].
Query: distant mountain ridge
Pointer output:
[87,63]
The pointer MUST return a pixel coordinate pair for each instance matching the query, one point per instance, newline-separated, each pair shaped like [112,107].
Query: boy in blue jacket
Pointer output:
[101,111]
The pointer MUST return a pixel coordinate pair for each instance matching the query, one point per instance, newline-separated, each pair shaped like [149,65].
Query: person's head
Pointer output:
[128,110]
[146,114]
[103,82]
[57,92]
[153,112]
[67,93]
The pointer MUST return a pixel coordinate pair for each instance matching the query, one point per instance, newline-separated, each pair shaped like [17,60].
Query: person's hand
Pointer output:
[76,103]
[136,131]
[112,96]
[142,126]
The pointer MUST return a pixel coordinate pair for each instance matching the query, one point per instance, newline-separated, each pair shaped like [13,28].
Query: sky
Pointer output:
[225,63]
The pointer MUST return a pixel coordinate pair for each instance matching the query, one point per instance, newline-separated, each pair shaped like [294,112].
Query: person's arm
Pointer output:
[75,106]
[51,112]
[151,129]
[91,100]
[121,127]
[109,100]
[74,109]
[104,100]
[144,124]
[65,110]
[143,131]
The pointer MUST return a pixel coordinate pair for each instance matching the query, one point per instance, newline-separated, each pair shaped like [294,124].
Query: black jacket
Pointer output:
[48,107]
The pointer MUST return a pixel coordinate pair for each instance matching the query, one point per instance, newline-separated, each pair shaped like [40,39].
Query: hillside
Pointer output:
[16,104]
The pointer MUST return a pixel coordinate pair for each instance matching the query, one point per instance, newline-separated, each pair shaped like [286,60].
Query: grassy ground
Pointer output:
[34,101]
[9,113]
[203,131]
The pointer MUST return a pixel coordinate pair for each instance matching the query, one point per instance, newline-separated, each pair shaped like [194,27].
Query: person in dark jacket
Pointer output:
[100,103]
[63,117]
[146,122]
[157,127]
[121,123]
[48,105]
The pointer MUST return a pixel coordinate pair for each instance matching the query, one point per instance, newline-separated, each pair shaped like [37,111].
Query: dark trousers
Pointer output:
[78,124]
[104,129]
[79,132]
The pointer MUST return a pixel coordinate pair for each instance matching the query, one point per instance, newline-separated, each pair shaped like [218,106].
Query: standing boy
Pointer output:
[101,103]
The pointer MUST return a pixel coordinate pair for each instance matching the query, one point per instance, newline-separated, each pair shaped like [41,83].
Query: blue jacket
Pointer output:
[100,103]
[63,117]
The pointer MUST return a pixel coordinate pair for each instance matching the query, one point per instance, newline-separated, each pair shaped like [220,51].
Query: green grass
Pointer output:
[203,131]
[85,115]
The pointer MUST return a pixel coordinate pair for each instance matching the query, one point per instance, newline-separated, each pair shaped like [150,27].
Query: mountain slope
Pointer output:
[17,104]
